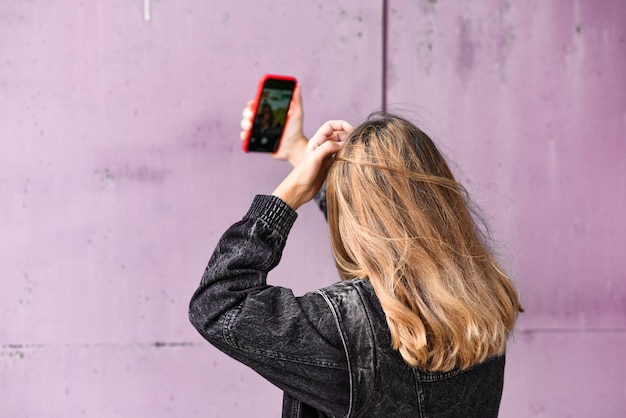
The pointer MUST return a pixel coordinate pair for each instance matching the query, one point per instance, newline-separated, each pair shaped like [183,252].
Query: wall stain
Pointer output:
[16,354]
[140,174]
[17,351]
[504,40]
[466,58]
[160,344]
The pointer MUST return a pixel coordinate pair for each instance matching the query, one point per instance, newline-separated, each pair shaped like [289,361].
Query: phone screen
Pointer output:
[271,115]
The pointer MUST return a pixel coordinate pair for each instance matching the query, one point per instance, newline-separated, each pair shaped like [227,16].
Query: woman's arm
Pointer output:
[306,179]
[292,341]
[293,144]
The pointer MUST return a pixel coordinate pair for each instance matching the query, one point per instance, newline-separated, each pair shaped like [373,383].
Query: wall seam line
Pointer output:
[384,54]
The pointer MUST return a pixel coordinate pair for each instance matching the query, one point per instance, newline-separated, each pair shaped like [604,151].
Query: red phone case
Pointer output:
[257,100]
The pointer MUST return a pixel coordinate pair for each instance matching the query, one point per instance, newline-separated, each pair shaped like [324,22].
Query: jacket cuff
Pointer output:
[274,212]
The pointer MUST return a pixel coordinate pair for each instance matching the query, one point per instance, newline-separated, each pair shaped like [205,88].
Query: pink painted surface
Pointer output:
[120,165]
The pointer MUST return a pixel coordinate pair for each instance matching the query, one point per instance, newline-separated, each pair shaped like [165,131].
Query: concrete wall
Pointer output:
[120,166]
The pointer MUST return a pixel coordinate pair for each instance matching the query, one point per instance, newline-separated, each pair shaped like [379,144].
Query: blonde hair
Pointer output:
[398,217]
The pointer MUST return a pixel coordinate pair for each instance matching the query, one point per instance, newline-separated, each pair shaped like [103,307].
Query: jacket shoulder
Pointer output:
[353,302]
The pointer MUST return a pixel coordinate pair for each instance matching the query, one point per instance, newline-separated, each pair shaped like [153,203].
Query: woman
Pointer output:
[419,324]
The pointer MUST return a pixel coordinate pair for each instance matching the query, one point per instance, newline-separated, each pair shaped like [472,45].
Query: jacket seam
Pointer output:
[373,334]
[419,394]
[295,408]
[275,237]
[428,378]
[229,319]
[345,346]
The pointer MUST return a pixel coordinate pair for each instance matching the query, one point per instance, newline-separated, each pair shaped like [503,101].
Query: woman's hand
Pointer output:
[307,177]
[293,143]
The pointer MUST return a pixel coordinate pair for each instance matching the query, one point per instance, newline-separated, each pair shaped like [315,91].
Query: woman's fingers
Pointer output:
[333,130]
[246,120]
[296,102]
[248,113]
[332,126]
[327,149]
[246,124]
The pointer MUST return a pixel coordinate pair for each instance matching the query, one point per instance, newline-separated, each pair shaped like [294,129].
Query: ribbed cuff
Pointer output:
[274,211]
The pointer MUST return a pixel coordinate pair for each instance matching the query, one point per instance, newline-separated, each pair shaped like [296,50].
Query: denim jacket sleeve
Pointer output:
[292,341]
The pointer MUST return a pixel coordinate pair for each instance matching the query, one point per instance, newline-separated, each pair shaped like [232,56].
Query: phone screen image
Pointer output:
[271,114]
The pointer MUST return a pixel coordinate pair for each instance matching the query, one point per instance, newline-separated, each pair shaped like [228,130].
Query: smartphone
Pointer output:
[271,106]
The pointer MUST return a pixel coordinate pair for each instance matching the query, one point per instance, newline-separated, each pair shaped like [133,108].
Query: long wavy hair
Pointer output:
[398,217]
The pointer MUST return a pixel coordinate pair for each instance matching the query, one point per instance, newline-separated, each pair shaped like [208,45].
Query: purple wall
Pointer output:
[120,165]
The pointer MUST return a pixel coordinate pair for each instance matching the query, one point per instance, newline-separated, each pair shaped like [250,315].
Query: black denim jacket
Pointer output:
[329,350]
